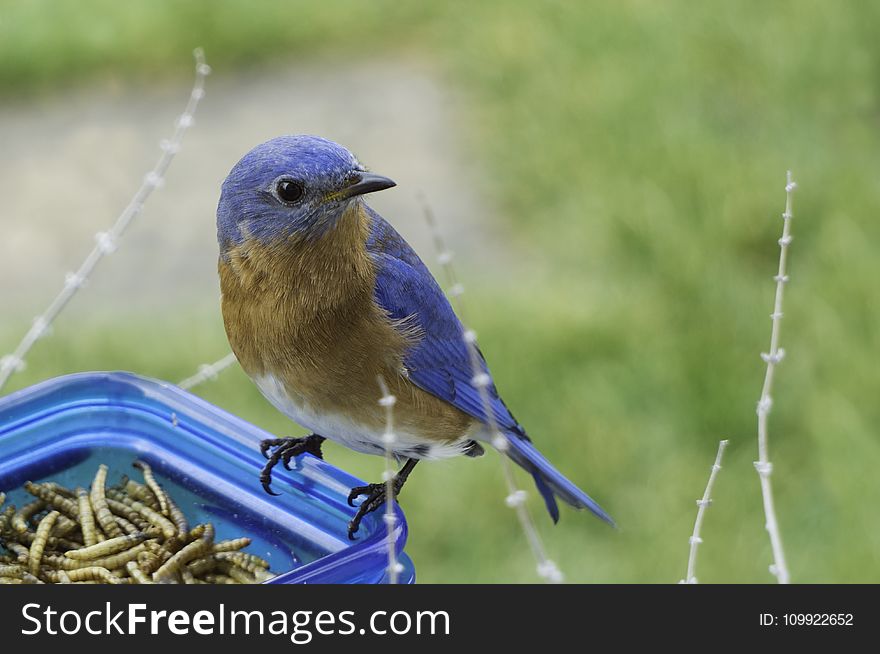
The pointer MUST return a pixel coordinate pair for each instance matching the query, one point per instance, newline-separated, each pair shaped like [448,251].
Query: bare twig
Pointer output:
[207,372]
[388,438]
[702,505]
[516,497]
[772,358]
[107,242]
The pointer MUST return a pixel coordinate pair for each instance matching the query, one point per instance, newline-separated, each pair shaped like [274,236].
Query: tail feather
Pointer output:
[547,494]
[550,482]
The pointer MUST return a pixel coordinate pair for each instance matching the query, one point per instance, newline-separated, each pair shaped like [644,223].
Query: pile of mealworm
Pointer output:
[131,533]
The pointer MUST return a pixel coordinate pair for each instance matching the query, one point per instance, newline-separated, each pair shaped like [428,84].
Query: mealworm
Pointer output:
[108,547]
[263,575]
[20,519]
[126,526]
[86,517]
[140,492]
[198,567]
[6,516]
[148,562]
[231,545]
[162,553]
[245,570]
[110,562]
[65,527]
[249,562]
[21,552]
[123,510]
[55,487]
[153,517]
[153,485]
[172,567]
[178,518]
[119,560]
[53,542]
[240,575]
[36,550]
[99,504]
[195,533]
[11,570]
[53,498]
[93,573]
[136,573]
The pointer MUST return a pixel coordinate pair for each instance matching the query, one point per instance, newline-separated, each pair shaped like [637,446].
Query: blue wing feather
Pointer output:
[440,364]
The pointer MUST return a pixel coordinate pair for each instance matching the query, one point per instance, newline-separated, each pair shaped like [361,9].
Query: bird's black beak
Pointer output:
[366,183]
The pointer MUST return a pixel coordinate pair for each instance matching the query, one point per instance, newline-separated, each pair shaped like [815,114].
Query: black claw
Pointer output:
[376,496]
[373,502]
[265,444]
[286,449]
[354,525]
[266,479]
[356,492]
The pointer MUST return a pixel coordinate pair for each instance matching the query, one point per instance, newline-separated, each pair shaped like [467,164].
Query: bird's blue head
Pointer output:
[290,186]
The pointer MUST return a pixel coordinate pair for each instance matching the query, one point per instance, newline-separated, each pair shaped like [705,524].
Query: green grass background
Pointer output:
[637,152]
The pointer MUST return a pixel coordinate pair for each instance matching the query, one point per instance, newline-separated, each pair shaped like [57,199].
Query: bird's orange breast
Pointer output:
[302,312]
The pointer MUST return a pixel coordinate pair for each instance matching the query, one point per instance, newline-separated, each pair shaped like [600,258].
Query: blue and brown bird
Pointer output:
[321,297]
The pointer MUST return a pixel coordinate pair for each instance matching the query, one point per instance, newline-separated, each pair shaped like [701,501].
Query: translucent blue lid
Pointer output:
[208,460]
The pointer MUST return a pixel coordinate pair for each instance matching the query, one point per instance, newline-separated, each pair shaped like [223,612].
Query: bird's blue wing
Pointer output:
[439,363]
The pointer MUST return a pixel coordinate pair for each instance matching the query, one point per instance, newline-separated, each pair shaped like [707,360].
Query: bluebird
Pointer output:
[321,296]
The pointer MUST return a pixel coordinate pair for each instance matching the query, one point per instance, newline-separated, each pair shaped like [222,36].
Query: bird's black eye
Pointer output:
[289,190]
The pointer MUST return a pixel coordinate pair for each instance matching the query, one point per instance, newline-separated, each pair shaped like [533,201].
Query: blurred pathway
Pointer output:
[69,165]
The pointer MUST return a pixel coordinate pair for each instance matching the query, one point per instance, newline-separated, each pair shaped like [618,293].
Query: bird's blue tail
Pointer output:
[550,482]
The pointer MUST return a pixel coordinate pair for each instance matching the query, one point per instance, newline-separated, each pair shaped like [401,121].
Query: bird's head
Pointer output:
[290,186]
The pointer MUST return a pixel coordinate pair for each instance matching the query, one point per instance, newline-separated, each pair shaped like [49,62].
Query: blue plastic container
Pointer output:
[209,461]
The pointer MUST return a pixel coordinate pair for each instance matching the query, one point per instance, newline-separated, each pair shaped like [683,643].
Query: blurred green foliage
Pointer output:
[638,151]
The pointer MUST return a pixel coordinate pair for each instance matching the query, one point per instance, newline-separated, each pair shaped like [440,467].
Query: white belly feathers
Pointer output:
[342,429]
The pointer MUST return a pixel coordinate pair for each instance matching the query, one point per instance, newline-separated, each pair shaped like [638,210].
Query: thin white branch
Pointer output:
[702,505]
[107,242]
[772,358]
[208,372]
[516,498]
[388,438]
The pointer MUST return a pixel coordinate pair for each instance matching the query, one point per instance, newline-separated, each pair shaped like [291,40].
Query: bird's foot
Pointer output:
[285,450]
[376,496]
